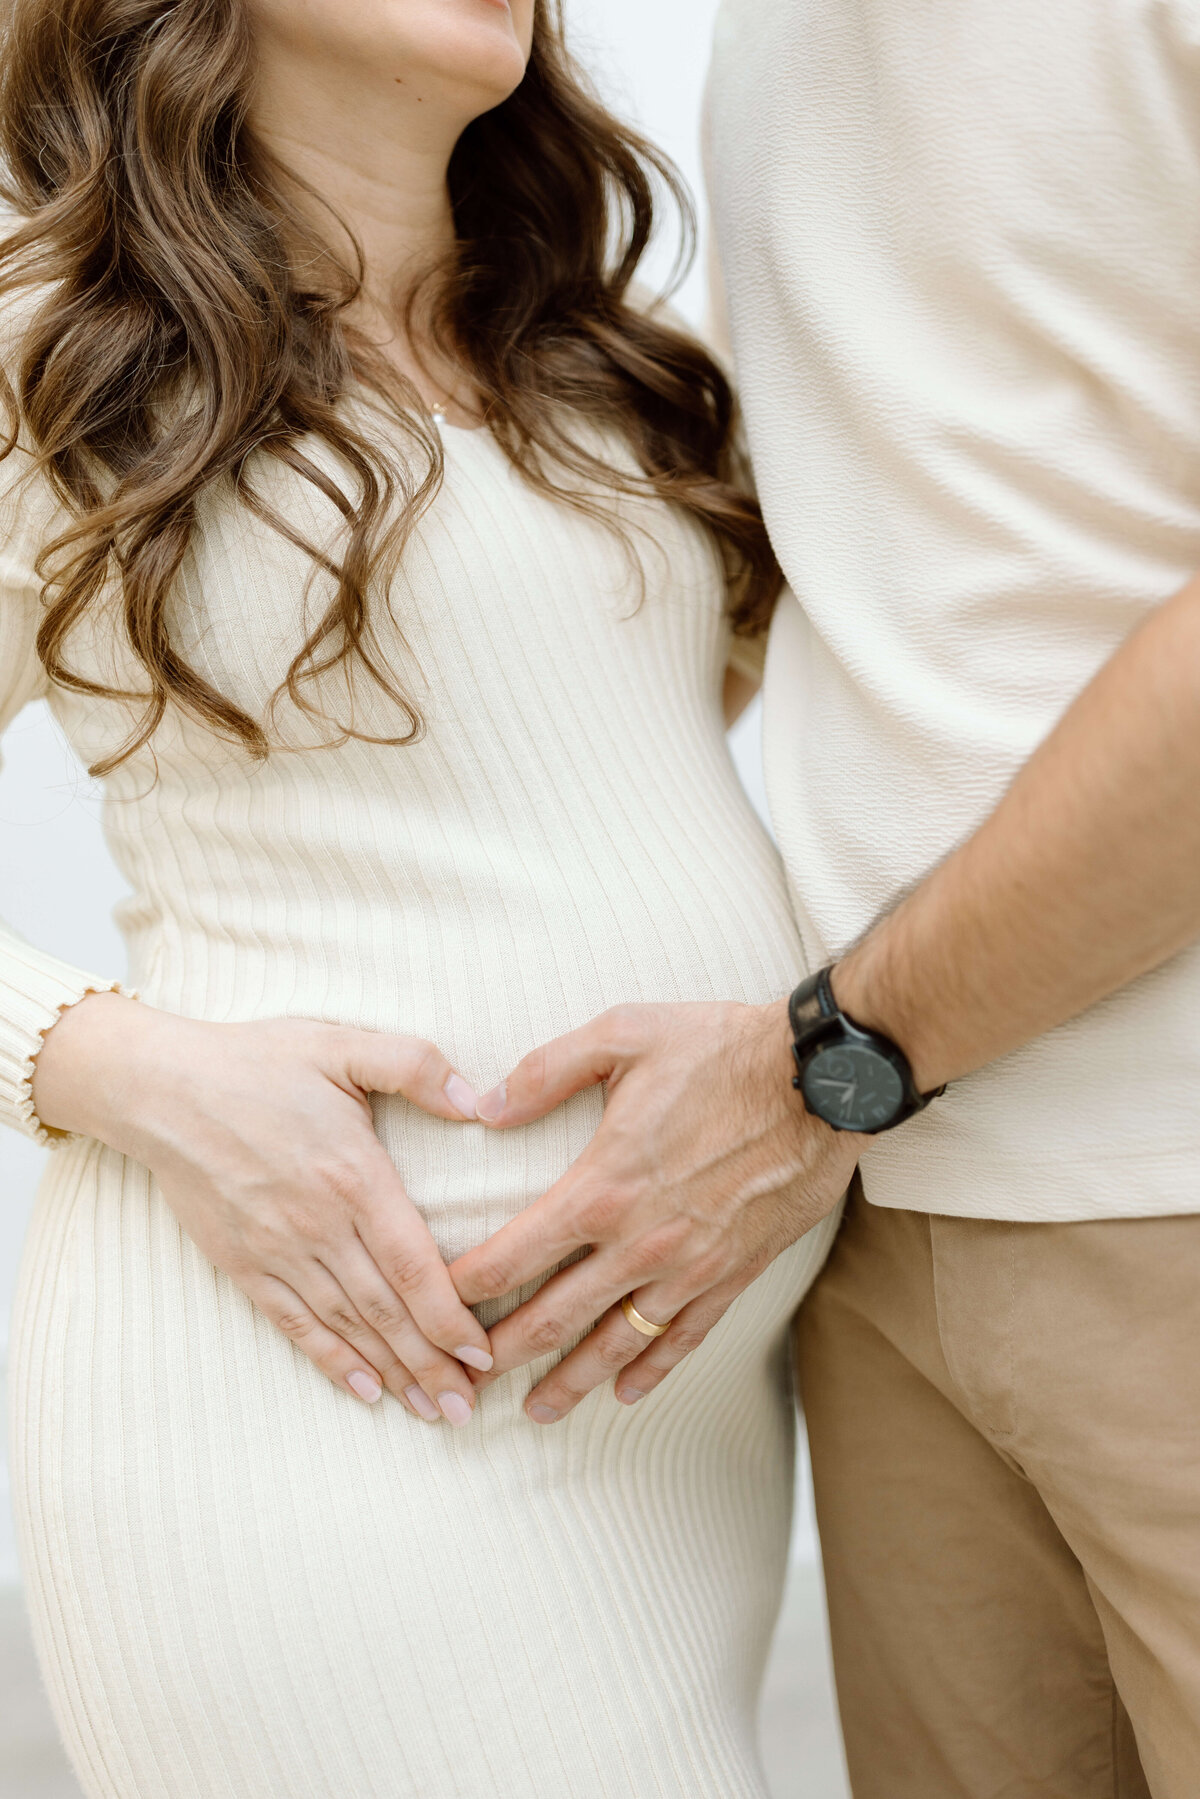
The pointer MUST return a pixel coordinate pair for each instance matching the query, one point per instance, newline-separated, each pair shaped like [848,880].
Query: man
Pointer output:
[961,246]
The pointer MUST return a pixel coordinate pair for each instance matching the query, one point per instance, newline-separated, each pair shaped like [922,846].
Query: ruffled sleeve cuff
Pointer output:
[34,989]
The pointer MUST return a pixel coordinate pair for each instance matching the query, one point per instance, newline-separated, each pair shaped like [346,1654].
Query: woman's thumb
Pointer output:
[380,1063]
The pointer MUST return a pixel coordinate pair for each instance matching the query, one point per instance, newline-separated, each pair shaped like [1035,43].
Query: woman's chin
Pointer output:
[497,46]
[484,64]
[465,56]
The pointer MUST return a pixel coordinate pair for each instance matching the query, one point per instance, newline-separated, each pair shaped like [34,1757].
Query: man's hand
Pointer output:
[705,1167]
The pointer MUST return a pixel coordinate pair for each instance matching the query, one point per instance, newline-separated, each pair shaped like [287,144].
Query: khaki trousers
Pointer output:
[1005,1430]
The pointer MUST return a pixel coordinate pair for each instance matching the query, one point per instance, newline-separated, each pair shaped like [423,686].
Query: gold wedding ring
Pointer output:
[642,1324]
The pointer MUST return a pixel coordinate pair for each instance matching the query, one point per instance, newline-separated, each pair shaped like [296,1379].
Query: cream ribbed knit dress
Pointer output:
[244,1583]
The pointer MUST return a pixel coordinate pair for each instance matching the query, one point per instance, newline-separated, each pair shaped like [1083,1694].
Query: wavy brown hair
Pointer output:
[177,340]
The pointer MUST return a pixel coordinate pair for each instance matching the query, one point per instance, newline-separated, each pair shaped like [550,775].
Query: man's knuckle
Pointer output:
[495,1278]
[687,1337]
[545,1333]
[657,1250]
[603,1212]
[573,1379]
[708,1268]
[611,1352]
[677,1232]
[654,1363]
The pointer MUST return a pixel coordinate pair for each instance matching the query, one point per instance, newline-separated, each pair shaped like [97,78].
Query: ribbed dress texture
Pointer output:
[244,1582]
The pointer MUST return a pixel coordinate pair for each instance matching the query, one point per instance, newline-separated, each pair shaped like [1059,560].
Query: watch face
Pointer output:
[853,1086]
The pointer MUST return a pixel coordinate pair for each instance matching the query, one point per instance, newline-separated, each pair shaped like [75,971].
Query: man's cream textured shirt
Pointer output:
[961,253]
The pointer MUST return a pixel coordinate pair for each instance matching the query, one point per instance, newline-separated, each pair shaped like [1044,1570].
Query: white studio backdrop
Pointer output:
[58,884]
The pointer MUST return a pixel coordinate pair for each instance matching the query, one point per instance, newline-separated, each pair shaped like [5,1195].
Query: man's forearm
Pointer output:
[1085,876]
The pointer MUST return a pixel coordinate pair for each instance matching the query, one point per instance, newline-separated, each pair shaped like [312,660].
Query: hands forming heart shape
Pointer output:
[261,1139]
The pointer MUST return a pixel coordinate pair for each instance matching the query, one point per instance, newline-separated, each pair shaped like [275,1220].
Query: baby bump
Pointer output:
[165,1431]
[116,1302]
[468,1181]
[131,1352]
[164,1427]
[235,1568]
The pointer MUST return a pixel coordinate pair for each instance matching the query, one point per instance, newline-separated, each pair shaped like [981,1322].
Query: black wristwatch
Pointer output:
[856,1080]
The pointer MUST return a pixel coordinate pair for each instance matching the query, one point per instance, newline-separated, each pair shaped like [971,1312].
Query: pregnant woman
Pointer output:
[379,555]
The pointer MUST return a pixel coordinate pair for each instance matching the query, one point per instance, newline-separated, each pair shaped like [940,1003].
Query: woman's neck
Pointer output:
[376,159]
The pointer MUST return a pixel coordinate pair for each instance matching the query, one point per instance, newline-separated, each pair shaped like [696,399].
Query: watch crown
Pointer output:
[797,1083]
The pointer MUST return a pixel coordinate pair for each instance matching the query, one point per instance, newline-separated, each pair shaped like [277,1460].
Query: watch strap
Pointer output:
[812,1009]
[815,1015]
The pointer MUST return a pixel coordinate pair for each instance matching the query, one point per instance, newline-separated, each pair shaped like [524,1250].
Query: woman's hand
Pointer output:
[261,1138]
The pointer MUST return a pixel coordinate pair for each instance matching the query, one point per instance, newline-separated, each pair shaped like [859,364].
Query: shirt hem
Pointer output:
[1121,1183]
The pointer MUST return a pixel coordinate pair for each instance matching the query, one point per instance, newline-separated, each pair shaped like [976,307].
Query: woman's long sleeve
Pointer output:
[34,985]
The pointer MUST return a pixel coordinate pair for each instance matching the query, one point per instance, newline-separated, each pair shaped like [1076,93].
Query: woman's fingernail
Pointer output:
[630,1395]
[492,1104]
[543,1414]
[455,1408]
[365,1385]
[461,1096]
[422,1404]
[475,1358]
